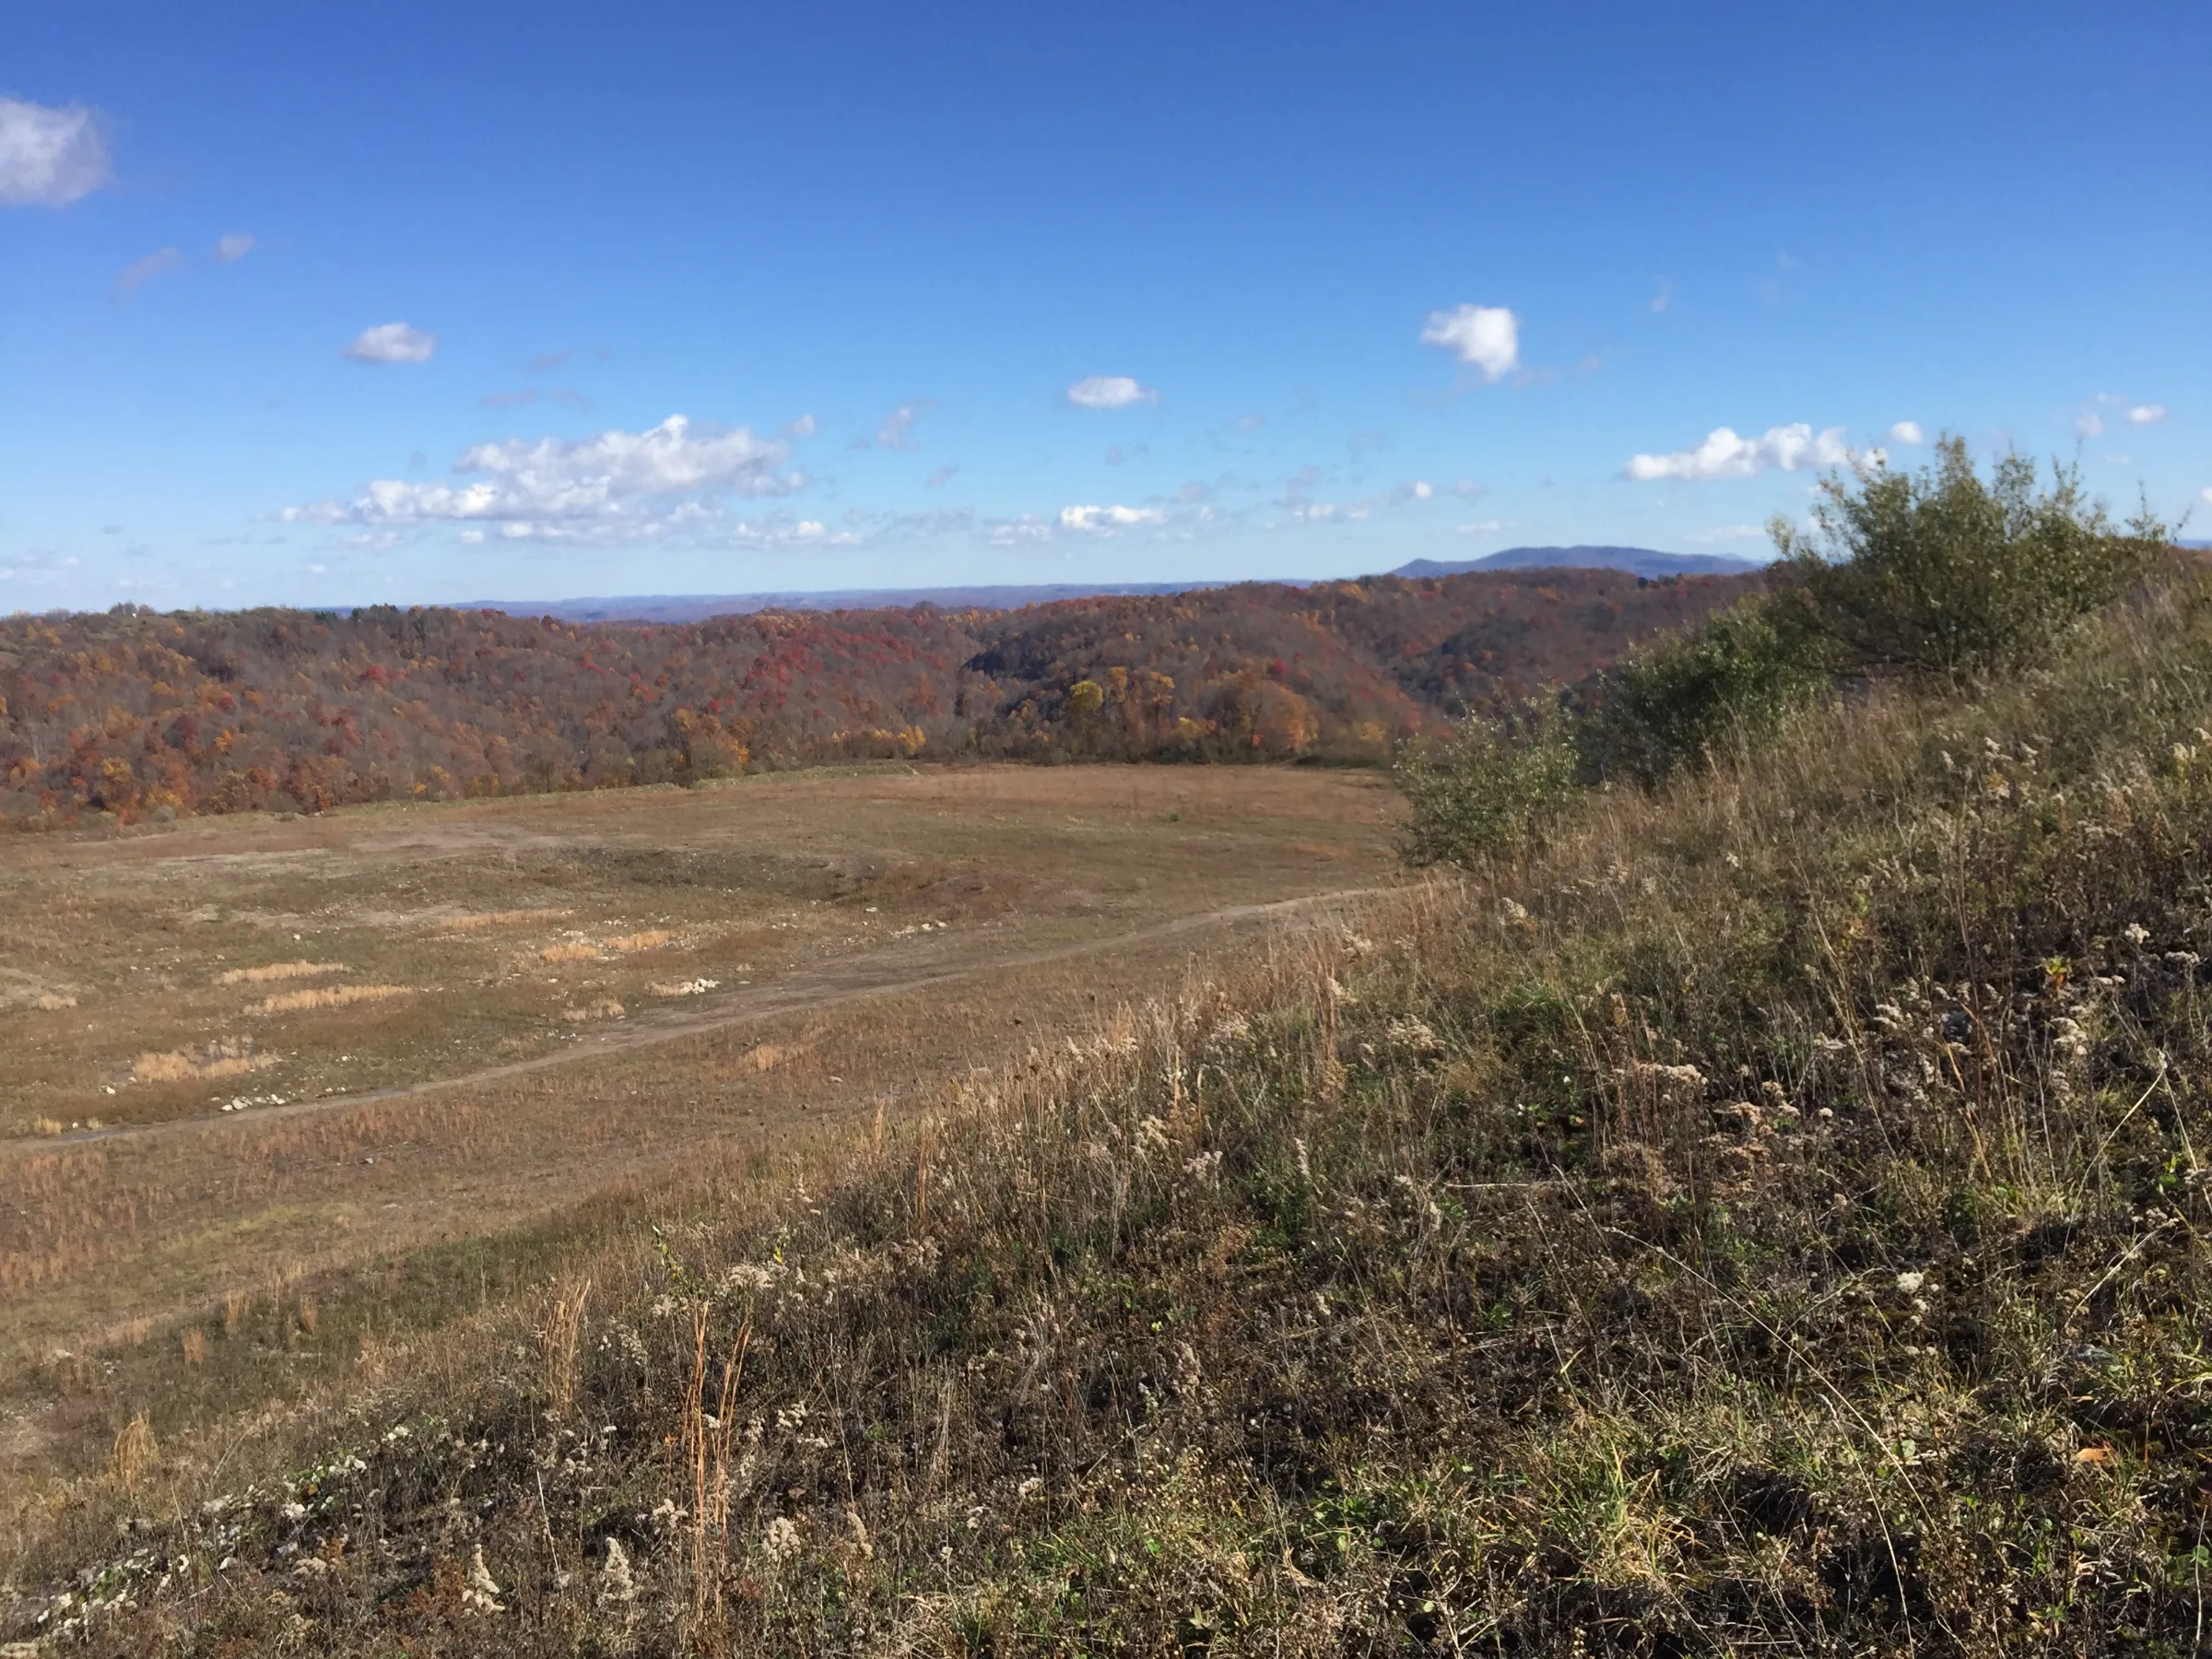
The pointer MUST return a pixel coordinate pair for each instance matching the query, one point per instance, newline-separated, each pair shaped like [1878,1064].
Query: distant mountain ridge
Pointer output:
[698,607]
[1637,561]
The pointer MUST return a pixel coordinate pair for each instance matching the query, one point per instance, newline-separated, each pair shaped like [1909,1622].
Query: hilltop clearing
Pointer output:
[1773,1216]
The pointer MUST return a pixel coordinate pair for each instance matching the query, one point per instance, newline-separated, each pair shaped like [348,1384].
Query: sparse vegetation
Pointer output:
[327,997]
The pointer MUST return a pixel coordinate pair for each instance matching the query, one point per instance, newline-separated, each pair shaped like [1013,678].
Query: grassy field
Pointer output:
[1774,1215]
[253,1057]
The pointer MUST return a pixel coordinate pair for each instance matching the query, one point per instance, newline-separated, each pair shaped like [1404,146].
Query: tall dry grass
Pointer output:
[483,920]
[278,970]
[225,1057]
[332,996]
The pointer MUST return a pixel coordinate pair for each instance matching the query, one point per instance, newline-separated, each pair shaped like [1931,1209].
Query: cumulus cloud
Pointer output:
[1110,392]
[1906,432]
[50,157]
[1109,518]
[392,343]
[233,247]
[614,483]
[2147,414]
[139,275]
[1726,455]
[1486,337]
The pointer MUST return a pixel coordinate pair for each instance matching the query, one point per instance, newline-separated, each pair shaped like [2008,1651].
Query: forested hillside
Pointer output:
[135,712]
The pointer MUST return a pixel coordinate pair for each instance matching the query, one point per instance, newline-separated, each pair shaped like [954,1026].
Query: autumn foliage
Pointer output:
[138,714]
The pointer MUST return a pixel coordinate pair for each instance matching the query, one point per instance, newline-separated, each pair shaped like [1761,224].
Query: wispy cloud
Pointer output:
[1110,392]
[567,396]
[1726,455]
[940,478]
[1484,338]
[392,343]
[232,248]
[896,431]
[137,275]
[2147,414]
[50,155]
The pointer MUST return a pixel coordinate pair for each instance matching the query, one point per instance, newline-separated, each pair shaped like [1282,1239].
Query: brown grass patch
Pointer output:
[332,996]
[278,970]
[508,918]
[52,1002]
[227,1057]
[767,1057]
[607,1008]
[578,951]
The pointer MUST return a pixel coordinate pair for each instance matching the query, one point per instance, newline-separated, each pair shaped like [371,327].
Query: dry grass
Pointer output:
[651,939]
[227,1057]
[569,953]
[332,996]
[52,1002]
[506,918]
[278,970]
[607,1008]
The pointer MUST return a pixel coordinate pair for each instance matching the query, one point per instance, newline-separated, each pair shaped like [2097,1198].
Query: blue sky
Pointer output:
[404,302]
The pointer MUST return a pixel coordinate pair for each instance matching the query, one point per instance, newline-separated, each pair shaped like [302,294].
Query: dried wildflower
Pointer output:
[481,1593]
[2135,934]
[617,1588]
[1909,1283]
[781,1542]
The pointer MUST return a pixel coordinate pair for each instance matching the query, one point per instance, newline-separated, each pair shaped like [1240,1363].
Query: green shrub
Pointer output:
[1940,574]
[1492,787]
[1692,696]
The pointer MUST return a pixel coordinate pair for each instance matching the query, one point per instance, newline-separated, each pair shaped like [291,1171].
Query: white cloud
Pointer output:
[1726,455]
[233,247]
[392,343]
[154,265]
[1906,432]
[49,158]
[896,433]
[940,478]
[2208,497]
[2147,414]
[616,483]
[1109,518]
[1110,392]
[1486,337]
[2090,424]
[1482,527]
